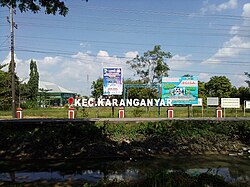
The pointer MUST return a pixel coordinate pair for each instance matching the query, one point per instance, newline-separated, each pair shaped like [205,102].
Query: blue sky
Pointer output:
[206,38]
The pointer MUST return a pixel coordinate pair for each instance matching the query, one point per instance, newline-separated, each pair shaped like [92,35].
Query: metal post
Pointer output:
[244,109]
[159,96]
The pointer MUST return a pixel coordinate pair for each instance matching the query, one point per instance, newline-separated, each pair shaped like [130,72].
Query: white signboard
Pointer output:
[230,102]
[199,102]
[247,104]
[212,101]
[112,81]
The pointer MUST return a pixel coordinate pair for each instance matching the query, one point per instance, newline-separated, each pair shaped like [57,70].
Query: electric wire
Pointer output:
[124,43]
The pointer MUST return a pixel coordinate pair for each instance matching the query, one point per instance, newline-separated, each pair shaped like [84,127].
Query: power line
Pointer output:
[1,45]
[208,72]
[73,52]
[126,43]
[86,61]
[131,25]
[117,30]
[165,13]
[215,62]
[177,22]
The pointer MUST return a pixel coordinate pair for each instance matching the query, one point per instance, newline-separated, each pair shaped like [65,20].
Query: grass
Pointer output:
[130,112]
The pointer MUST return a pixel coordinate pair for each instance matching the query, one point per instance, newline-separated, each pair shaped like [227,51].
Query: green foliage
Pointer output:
[219,86]
[151,66]
[5,88]
[51,6]
[248,81]
[178,129]
[242,92]
[137,112]
[140,93]
[85,113]
[5,96]
[33,83]
[97,88]
[46,139]
[28,104]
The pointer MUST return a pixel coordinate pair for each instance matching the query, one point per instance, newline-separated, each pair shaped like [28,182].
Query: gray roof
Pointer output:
[52,87]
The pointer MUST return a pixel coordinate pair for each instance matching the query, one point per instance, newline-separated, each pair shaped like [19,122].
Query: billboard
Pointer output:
[199,102]
[247,104]
[181,90]
[112,81]
[230,102]
[212,101]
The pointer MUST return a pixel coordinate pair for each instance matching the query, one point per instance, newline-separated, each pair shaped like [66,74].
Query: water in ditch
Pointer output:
[131,171]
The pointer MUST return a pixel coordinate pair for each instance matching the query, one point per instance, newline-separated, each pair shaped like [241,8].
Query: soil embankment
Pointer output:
[89,140]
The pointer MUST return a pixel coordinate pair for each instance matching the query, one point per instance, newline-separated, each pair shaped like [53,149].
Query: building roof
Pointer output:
[53,88]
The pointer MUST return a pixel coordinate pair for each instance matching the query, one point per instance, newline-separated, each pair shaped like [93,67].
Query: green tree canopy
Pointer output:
[242,92]
[33,82]
[151,66]
[51,6]
[202,91]
[132,93]
[140,93]
[218,86]
[248,76]
[97,88]
[5,88]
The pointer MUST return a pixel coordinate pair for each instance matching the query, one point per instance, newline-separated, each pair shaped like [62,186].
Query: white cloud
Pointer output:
[51,60]
[131,54]
[234,30]
[239,80]
[246,11]
[204,77]
[235,46]
[213,8]
[18,62]
[75,73]
[103,54]
[178,61]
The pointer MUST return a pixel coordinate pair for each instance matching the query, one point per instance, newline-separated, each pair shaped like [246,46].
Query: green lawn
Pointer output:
[130,112]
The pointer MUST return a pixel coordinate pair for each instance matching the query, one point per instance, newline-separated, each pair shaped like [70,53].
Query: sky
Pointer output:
[206,38]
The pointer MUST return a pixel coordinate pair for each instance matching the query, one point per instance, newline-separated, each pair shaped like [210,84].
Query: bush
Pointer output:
[137,112]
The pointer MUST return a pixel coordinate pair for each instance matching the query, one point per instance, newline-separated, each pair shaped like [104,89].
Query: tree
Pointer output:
[202,90]
[248,81]
[132,93]
[97,88]
[151,66]
[33,82]
[5,100]
[140,93]
[242,92]
[218,86]
[5,88]
[51,6]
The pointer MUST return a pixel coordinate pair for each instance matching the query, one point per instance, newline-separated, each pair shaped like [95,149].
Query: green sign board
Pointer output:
[181,90]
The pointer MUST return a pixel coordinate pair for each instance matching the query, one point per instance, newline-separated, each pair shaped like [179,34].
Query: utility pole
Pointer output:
[13,86]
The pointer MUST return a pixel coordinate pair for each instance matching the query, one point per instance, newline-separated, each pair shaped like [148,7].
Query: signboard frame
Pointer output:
[181,90]
[112,81]
[200,104]
[246,106]
[230,102]
[212,101]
